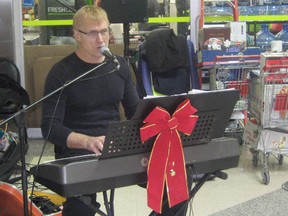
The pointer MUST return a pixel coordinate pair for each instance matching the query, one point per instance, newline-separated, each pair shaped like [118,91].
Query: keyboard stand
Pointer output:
[87,201]
[181,208]
[109,205]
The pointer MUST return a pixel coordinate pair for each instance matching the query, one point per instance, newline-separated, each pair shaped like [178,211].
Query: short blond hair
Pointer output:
[91,11]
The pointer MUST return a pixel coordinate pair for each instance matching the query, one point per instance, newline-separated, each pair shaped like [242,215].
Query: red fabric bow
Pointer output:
[167,162]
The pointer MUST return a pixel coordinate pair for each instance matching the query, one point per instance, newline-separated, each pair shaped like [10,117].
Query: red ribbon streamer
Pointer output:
[167,162]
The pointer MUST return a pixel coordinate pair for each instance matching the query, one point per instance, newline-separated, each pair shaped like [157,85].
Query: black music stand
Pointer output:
[214,111]
[123,139]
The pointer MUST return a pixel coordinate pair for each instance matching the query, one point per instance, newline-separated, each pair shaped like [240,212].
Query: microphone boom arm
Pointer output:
[52,93]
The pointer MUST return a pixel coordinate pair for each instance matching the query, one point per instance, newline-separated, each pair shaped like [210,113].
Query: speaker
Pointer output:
[126,11]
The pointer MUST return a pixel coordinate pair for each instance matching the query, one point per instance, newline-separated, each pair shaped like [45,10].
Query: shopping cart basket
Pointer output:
[268,109]
[232,72]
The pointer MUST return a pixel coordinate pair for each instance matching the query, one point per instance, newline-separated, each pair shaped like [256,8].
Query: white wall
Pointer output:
[18,38]
[11,39]
[6,33]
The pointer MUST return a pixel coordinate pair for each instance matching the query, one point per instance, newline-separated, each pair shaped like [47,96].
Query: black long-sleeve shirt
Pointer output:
[88,105]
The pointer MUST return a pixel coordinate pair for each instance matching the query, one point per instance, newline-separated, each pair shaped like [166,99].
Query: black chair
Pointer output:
[12,99]
[12,95]
[175,56]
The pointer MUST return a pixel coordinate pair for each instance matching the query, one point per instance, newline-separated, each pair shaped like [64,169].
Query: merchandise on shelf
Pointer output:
[249,40]
[283,36]
[250,11]
[247,10]
[237,34]
[213,38]
[264,38]
[207,57]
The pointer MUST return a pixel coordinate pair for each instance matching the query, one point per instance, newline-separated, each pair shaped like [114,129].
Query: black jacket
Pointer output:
[168,59]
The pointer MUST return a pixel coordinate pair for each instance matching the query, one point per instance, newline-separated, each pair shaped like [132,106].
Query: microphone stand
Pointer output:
[20,120]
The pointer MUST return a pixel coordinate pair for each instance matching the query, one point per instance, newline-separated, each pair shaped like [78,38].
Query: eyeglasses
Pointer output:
[94,34]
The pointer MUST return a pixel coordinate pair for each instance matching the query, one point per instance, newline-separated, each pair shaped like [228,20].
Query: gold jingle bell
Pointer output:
[172,172]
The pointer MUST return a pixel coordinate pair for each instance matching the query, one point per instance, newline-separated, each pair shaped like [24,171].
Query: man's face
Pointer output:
[91,36]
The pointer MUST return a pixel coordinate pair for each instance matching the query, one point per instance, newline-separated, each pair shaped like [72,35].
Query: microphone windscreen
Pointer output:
[103,49]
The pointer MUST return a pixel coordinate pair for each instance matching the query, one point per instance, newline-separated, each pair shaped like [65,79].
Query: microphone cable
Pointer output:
[44,145]
[98,76]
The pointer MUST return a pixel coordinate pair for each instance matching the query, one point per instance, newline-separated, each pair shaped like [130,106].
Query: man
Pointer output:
[75,120]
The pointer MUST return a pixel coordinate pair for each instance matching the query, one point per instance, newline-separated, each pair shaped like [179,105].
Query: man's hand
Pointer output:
[95,144]
[81,141]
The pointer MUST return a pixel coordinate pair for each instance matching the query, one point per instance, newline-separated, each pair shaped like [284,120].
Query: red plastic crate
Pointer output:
[240,85]
[281,102]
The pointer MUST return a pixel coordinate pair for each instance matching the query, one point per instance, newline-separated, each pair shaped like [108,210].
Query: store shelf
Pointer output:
[263,18]
[277,13]
[232,9]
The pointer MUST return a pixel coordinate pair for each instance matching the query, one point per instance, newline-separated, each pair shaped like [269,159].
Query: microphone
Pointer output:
[106,52]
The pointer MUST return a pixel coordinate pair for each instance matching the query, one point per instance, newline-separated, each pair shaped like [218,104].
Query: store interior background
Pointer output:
[44,43]
[34,52]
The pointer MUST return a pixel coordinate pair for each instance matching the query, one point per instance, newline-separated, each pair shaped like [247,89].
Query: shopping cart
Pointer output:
[231,72]
[268,110]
